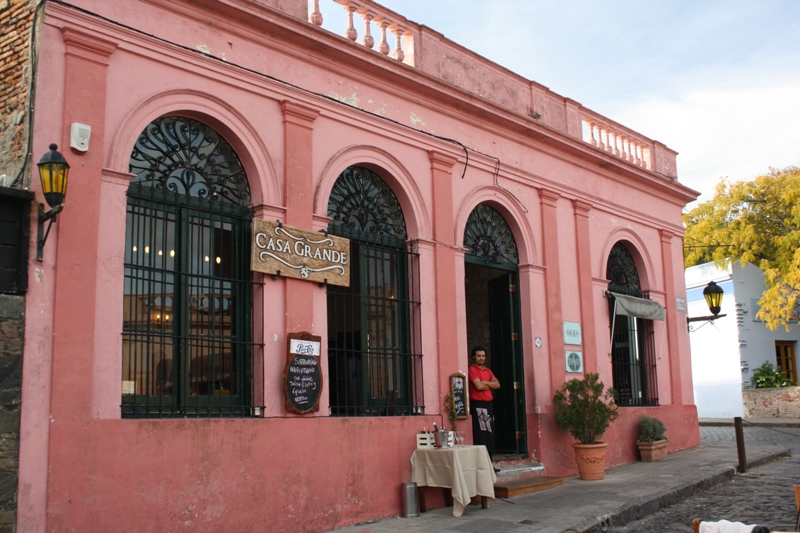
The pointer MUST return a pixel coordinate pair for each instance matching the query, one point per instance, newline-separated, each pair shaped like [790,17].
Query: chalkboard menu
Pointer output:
[458,389]
[302,377]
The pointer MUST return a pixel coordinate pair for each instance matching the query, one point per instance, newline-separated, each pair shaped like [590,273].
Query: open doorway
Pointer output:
[492,305]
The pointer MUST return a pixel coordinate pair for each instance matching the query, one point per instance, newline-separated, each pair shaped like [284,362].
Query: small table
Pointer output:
[466,470]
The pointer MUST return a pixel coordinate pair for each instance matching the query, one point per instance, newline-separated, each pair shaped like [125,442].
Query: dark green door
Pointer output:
[506,352]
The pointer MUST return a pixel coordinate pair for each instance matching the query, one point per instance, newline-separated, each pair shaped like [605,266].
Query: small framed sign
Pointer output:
[458,389]
[572,333]
[573,361]
[302,376]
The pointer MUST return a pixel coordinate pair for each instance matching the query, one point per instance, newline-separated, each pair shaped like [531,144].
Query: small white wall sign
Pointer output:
[573,361]
[304,347]
[572,333]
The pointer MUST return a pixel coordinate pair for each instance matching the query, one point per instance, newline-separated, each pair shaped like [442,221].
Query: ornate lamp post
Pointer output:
[54,172]
[713,295]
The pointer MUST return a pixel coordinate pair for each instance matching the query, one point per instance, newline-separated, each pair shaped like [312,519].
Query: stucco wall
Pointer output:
[772,403]
[299,107]
[716,365]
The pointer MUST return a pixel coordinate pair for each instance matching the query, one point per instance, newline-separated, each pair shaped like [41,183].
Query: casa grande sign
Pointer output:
[293,252]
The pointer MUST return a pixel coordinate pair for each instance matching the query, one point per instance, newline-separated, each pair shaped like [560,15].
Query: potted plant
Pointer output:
[583,409]
[652,442]
[450,407]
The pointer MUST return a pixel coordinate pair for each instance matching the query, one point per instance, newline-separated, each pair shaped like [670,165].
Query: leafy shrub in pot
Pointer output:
[651,429]
[652,441]
[584,410]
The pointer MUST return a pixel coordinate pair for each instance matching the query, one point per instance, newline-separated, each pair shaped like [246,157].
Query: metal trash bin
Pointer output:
[409,499]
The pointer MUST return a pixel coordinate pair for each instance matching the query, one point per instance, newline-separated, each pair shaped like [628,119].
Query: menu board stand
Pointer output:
[458,390]
[302,375]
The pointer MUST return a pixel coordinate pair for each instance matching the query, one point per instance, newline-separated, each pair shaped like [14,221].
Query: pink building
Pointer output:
[480,208]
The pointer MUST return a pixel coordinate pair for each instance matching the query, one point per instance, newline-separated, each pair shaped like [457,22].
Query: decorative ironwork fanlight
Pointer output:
[361,202]
[488,236]
[621,271]
[186,157]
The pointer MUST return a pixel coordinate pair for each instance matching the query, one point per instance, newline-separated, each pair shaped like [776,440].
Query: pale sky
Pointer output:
[716,80]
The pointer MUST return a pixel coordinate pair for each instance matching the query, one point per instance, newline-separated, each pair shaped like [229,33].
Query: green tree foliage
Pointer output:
[755,222]
[767,377]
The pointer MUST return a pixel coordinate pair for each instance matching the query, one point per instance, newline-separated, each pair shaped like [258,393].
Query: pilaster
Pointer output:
[549,201]
[675,364]
[583,244]
[298,190]
[85,81]
[444,262]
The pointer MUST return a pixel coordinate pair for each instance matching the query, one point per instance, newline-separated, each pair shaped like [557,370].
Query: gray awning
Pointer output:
[637,307]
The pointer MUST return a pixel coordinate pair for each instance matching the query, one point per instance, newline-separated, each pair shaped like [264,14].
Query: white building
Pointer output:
[726,352]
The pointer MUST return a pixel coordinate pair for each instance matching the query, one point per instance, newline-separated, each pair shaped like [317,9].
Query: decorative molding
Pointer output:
[88,47]
[442,162]
[582,208]
[298,114]
[549,198]
[116,177]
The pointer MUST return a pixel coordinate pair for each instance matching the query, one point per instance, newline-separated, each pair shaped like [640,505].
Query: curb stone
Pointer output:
[649,505]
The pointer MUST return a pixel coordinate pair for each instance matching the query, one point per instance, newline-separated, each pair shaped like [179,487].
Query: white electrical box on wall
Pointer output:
[79,136]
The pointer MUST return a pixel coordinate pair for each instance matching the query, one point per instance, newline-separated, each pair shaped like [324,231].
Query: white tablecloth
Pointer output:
[466,470]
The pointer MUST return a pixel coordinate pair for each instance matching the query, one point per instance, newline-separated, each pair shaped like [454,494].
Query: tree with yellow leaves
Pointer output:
[755,222]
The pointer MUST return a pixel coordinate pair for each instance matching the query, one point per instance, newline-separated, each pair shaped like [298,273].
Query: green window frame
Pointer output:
[374,362]
[633,353]
[187,348]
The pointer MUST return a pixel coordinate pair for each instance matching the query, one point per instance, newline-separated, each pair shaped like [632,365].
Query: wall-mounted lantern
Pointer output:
[713,295]
[54,172]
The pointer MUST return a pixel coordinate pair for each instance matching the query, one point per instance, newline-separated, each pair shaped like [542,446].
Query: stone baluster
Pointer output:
[593,133]
[637,150]
[600,136]
[383,47]
[350,32]
[315,17]
[398,49]
[367,40]
[615,145]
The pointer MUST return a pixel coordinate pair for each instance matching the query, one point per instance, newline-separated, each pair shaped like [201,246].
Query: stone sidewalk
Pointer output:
[628,492]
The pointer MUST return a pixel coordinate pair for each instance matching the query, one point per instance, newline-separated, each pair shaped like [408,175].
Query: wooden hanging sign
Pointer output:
[302,375]
[292,252]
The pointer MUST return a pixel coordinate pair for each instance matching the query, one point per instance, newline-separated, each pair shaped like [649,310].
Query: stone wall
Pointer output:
[12,315]
[15,19]
[772,403]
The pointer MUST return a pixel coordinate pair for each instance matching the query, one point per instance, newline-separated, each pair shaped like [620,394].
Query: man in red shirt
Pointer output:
[481,383]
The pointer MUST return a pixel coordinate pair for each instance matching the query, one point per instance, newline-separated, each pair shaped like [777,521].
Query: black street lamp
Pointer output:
[54,172]
[713,295]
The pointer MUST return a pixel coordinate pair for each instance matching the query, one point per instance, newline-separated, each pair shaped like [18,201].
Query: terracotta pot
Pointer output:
[652,451]
[591,459]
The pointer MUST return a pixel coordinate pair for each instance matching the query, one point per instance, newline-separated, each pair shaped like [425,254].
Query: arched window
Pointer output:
[187,294]
[373,331]
[632,312]
[488,236]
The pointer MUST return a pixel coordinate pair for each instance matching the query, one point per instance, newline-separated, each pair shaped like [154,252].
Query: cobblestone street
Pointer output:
[763,496]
